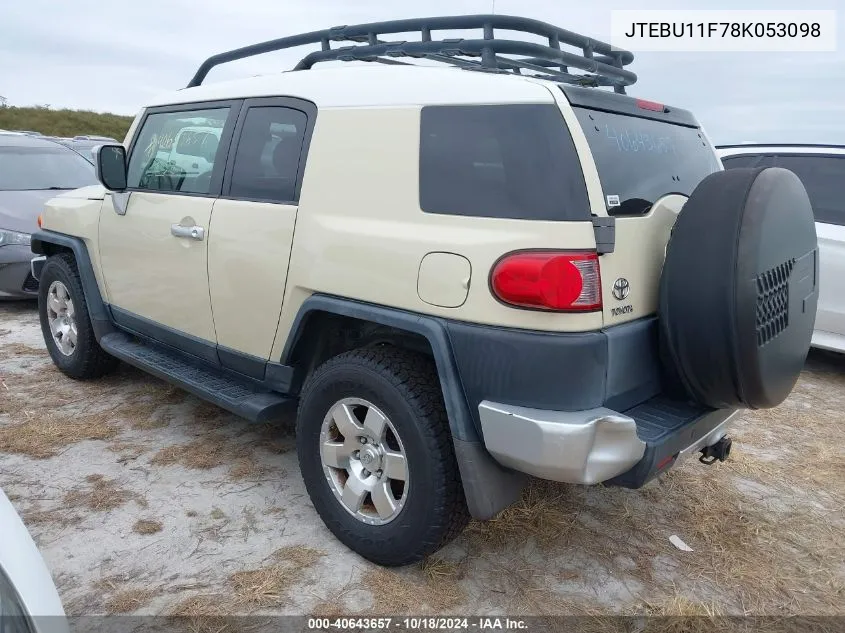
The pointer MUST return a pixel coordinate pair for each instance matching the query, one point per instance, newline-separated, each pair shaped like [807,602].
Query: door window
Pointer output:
[266,164]
[177,151]
[823,178]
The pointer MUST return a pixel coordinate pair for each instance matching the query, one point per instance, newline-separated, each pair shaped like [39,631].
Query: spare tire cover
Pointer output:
[739,289]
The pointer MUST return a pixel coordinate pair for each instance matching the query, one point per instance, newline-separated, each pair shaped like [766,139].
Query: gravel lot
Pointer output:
[145,500]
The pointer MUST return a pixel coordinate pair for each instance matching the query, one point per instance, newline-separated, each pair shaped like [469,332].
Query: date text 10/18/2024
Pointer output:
[418,624]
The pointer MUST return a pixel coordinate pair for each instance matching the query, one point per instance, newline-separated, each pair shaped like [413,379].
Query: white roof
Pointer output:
[373,85]
[736,150]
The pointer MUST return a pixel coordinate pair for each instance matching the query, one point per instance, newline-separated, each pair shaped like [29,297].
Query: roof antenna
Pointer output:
[493,9]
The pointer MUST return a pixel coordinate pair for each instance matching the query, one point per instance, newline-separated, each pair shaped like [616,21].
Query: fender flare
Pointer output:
[98,310]
[489,487]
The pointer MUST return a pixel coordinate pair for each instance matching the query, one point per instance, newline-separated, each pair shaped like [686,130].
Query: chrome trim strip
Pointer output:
[36,264]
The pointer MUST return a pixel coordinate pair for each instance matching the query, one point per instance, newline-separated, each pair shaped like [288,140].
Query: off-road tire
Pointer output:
[405,386]
[88,359]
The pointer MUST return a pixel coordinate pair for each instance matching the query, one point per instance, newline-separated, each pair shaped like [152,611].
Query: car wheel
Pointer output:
[65,323]
[377,457]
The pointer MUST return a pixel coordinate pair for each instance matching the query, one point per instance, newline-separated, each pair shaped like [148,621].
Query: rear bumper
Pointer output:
[599,445]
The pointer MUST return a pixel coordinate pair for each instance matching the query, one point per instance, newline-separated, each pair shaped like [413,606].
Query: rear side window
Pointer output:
[823,178]
[267,159]
[500,161]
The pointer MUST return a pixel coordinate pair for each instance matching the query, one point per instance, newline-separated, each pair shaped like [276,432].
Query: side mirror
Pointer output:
[111,166]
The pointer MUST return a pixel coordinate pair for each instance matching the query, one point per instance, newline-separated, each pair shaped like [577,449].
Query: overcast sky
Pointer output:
[112,56]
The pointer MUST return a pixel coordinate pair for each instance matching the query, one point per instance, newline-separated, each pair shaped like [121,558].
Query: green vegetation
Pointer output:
[64,122]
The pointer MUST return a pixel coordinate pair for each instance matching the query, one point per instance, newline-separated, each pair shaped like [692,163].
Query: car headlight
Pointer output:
[13,237]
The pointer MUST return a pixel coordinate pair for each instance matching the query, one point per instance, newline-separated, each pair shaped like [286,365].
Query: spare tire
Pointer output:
[739,289]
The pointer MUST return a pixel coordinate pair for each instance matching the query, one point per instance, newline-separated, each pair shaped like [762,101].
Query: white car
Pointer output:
[822,170]
[29,601]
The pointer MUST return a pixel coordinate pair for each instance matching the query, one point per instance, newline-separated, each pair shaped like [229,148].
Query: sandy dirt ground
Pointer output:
[145,500]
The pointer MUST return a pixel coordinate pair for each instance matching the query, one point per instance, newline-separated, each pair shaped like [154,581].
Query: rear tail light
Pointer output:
[548,280]
[650,105]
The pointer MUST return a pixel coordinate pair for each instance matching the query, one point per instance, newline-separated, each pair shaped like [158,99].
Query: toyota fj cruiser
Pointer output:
[461,276]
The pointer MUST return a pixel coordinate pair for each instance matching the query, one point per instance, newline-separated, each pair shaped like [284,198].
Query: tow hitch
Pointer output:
[718,451]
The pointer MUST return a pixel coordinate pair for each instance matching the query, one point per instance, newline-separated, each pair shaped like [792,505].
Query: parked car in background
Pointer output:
[93,137]
[84,145]
[29,601]
[32,170]
[822,170]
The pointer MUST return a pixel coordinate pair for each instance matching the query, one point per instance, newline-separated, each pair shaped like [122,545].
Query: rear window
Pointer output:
[500,161]
[743,160]
[823,178]
[640,160]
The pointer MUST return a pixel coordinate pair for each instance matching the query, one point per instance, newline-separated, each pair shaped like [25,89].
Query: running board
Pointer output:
[214,385]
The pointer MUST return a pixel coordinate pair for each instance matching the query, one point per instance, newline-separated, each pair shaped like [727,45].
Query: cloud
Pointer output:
[115,56]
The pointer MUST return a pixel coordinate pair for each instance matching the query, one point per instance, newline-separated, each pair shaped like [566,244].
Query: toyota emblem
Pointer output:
[621,288]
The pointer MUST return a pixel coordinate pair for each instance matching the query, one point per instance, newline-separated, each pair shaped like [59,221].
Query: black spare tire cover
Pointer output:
[739,289]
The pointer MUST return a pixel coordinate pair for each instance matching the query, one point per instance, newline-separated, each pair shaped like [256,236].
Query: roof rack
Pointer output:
[603,64]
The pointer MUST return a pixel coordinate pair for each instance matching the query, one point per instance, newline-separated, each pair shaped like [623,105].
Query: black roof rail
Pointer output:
[741,145]
[602,63]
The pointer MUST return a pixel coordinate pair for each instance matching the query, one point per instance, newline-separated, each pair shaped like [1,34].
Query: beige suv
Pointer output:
[461,276]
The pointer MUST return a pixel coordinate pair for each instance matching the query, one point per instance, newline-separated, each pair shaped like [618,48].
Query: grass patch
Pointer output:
[269,585]
[64,122]
[544,512]
[58,517]
[246,468]
[434,569]
[130,600]
[213,451]
[48,411]
[432,588]
[201,454]
[254,589]
[217,514]
[99,495]
[147,526]
[207,613]
[44,437]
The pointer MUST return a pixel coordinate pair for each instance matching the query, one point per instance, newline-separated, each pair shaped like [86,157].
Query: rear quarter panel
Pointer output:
[360,232]
[640,241]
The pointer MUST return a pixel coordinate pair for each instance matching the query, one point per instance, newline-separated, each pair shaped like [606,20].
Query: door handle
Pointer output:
[191,232]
